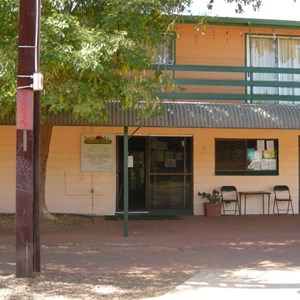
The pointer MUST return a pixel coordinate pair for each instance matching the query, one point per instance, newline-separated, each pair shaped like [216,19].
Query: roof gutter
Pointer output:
[245,22]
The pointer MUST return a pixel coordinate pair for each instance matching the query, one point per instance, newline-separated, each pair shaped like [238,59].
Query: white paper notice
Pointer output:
[254,165]
[270,145]
[130,161]
[272,164]
[260,145]
[258,155]
[257,165]
[264,164]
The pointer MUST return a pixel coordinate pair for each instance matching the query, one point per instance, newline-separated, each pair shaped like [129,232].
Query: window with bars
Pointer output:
[246,157]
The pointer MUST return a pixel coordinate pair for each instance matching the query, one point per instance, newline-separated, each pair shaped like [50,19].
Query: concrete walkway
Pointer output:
[275,277]
[240,284]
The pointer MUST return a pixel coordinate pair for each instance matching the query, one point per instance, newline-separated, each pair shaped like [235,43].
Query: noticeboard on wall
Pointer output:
[246,156]
[262,155]
[98,153]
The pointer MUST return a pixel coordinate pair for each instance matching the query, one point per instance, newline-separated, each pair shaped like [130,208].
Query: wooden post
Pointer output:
[27,253]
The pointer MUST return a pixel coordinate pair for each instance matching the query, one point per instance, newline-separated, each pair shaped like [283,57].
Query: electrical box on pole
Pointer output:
[38,82]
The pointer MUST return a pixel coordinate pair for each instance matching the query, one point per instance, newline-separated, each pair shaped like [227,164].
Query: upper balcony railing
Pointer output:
[232,83]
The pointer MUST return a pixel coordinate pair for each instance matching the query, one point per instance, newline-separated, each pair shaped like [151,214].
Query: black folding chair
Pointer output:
[282,194]
[230,200]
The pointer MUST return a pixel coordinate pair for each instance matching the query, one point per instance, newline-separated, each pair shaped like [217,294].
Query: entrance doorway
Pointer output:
[160,177]
[136,174]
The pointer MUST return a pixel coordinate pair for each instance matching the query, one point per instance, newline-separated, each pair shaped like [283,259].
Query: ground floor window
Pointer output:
[161,177]
[246,157]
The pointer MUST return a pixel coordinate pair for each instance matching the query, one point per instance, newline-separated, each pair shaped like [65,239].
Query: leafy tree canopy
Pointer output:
[240,4]
[92,51]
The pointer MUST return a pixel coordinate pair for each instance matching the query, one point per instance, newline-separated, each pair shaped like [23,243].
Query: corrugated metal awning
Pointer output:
[201,115]
[197,115]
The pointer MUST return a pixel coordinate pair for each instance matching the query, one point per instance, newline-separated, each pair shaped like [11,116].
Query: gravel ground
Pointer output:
[88,286]
[62,278]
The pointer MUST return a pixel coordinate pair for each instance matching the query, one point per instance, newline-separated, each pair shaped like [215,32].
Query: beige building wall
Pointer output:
[205,180]
[68,190]
[219,45]
[8,169]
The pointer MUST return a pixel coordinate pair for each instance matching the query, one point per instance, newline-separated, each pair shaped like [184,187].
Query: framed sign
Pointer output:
[98,153]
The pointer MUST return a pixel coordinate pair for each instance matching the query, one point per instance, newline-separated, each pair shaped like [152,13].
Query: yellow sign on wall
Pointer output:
[98,153]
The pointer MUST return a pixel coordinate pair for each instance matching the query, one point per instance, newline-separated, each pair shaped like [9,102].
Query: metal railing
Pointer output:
[195,75]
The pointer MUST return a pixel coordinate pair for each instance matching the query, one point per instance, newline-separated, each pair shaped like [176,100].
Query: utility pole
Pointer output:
[29,84]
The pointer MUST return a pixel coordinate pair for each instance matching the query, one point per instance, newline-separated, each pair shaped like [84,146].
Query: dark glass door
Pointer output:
[136,175]
[160,177]
[171,177]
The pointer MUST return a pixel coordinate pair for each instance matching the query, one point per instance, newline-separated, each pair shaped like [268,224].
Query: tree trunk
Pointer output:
[46,133]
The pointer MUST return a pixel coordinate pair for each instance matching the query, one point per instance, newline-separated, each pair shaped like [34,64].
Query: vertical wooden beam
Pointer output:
[36,151]
[25,148]
[36,185]
[24,201]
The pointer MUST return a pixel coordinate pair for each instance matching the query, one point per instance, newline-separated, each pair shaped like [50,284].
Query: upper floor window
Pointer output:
[274,52]
[164,54]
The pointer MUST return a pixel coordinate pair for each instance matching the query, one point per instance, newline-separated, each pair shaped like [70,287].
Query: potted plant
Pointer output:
[212,208]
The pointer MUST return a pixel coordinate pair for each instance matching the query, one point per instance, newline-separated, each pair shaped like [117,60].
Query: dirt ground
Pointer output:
[88,258]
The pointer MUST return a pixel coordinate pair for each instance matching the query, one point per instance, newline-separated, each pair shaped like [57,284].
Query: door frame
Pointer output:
[147,210]
[119,186]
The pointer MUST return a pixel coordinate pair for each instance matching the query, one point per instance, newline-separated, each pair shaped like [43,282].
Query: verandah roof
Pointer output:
[200,115]
[194,115]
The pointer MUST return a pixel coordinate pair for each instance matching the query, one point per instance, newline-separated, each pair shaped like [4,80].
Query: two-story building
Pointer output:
[233,119]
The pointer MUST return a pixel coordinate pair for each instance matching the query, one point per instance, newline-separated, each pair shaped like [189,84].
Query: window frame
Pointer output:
[168,43]
[278,46]
[249,142]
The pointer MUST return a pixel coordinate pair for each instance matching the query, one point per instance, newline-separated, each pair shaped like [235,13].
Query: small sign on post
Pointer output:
[25,109]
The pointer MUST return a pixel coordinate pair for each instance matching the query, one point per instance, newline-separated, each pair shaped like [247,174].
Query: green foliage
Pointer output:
[8,54]
[214,197]
[240,4]
[91,52]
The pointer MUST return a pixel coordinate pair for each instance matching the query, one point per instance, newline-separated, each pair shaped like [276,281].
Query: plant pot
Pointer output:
[212,210]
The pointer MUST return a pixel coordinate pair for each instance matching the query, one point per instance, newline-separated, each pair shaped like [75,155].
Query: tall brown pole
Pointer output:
[27,235]
[36,153]
[36,185]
